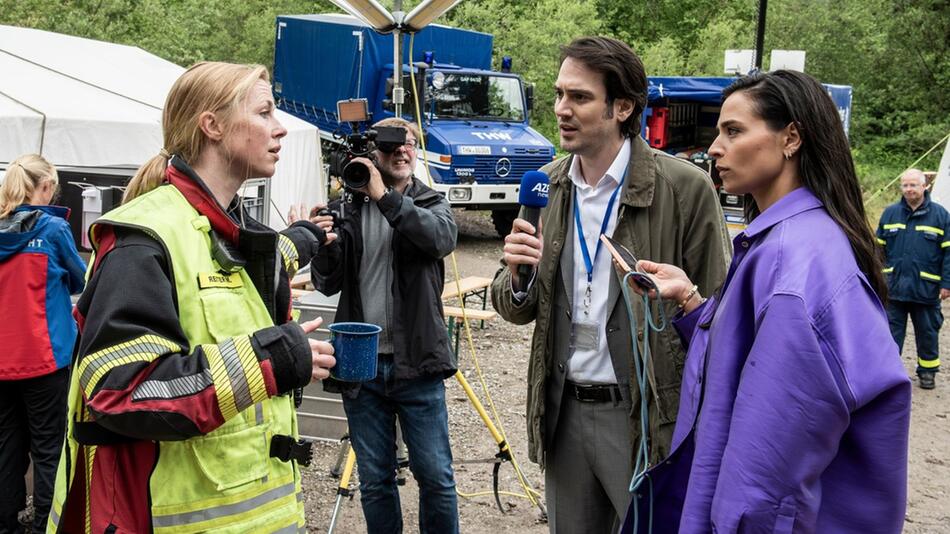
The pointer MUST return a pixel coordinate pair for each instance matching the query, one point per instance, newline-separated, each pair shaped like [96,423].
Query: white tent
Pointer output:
[86,103]
[941,188]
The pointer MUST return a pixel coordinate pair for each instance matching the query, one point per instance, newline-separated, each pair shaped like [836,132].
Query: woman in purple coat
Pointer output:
[795,406]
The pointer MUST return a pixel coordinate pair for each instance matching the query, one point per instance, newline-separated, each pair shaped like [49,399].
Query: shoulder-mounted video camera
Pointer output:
[386,139]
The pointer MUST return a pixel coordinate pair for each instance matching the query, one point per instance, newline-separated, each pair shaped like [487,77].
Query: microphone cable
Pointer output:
[643,369]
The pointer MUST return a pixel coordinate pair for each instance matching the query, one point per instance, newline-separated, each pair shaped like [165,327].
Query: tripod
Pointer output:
[346,459]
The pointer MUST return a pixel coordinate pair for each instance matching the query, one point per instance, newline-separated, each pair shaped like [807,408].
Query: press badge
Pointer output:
[585,336]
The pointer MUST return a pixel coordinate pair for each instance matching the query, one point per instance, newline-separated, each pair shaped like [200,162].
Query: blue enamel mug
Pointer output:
[355,346]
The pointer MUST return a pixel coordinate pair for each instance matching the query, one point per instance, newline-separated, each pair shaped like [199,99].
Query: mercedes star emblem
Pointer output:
[503,167]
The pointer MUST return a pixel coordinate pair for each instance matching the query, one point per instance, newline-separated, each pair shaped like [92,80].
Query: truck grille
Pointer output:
[485,167]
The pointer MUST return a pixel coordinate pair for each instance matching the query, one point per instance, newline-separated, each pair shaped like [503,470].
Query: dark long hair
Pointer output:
[624,75]
[783,97]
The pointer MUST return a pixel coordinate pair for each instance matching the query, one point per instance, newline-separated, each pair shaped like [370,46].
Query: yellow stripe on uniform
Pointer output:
[881,241]
[87,501]
[888,269]
[945,244]
[932,229]
[222,383]
[928,364]
[289,252]
[929,276]
[252,369]
[899,226]
[236,375]
[142,349]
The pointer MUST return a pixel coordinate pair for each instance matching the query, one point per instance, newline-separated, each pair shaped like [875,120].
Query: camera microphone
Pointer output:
[533,195]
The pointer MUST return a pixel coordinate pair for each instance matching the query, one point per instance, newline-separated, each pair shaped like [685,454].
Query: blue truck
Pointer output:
[478,137]
[681,116]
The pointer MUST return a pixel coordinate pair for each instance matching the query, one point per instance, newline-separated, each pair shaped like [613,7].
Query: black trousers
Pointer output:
[32,424]
[927,319]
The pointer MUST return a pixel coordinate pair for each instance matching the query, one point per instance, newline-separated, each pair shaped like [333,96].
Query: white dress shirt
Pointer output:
[594,366]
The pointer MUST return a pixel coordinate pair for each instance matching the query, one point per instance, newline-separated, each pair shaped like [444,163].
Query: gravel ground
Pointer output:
[928,493]
[502,351]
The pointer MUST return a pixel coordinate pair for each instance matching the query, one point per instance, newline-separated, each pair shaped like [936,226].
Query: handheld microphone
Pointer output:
[532,196]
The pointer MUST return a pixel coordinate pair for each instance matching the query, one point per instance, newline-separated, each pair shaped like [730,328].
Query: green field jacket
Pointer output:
[669,212]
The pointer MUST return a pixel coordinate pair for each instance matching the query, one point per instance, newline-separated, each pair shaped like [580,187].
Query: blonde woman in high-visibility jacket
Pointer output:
[181,413]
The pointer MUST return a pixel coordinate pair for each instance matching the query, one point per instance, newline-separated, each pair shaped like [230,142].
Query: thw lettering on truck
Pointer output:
[495,136]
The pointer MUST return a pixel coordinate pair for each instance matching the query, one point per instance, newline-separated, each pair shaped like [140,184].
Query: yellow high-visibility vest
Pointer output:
[225,481]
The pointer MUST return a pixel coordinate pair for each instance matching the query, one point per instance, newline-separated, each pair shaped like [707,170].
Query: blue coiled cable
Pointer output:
[641,358]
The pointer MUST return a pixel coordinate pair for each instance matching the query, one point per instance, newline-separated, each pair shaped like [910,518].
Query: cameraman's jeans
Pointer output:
[420,404]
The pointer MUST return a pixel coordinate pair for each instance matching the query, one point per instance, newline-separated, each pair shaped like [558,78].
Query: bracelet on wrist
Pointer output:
[689,296]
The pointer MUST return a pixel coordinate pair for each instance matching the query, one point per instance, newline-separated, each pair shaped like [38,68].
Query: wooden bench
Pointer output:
[473,314]
[301,281]
[453,320]
[297,293]
[471,286]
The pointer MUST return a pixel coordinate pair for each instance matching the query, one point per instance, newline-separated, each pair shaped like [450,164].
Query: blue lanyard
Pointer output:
[603,228]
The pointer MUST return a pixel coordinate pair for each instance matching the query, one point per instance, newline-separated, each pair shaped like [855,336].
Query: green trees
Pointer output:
[181,31]
[531,32]
[893,52]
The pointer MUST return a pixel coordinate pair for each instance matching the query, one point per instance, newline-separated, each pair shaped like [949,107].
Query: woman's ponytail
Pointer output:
[148,177]
[23,176]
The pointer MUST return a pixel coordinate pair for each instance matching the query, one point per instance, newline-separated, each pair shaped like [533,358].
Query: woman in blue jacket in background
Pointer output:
[39,268]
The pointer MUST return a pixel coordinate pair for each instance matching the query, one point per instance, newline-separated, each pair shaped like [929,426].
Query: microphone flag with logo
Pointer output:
[532,196]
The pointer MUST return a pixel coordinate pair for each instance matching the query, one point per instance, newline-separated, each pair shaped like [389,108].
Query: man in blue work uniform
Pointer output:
[915,234]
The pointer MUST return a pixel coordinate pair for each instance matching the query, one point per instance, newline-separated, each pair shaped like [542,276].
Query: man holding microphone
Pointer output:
[583,404]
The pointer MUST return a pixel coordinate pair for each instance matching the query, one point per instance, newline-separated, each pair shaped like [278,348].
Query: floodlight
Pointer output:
[788,60]
[352,110]
[426,12]
[739,62]
[368,11]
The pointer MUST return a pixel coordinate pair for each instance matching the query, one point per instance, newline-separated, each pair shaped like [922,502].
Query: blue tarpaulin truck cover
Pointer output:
[346,58]
[708,90]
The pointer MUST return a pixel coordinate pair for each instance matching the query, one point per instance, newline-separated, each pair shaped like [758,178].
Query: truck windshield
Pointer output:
[476,96]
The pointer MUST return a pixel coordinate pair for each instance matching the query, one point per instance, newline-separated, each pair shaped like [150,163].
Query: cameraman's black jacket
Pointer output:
[424,232]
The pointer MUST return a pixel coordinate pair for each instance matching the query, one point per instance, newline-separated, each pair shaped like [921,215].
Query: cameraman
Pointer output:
[387,264]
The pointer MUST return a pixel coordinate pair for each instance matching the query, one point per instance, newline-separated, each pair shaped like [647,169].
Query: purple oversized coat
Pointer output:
[795,406]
